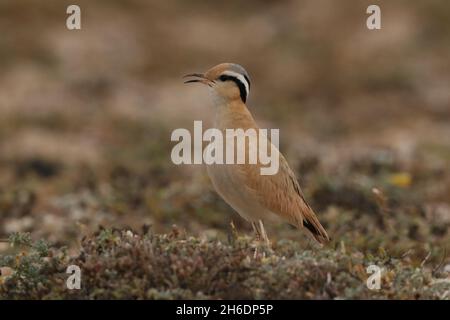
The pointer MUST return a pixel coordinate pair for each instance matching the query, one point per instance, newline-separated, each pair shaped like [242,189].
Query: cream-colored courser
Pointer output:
[255,197]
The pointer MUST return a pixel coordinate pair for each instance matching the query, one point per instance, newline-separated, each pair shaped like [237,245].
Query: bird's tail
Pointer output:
[312,224]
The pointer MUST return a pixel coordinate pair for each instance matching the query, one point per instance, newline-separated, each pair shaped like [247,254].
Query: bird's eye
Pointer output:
[222,78]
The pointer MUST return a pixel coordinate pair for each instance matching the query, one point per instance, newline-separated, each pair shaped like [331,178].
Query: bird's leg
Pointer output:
[261,236]
[255,229]
[263,233]
[257,237]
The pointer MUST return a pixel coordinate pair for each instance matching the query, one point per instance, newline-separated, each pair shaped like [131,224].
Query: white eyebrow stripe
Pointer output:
[240,77]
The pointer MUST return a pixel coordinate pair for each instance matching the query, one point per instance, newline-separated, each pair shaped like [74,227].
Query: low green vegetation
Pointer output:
[124,265]
[86,176]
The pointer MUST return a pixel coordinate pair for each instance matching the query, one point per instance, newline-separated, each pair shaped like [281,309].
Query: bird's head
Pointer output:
[228,81]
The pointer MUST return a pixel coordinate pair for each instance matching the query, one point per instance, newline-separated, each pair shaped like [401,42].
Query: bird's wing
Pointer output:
[281,194]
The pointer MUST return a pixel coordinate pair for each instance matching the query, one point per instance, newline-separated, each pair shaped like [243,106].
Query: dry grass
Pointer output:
[85,123]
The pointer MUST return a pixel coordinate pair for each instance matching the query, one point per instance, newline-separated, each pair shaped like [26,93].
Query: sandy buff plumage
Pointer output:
[255,197]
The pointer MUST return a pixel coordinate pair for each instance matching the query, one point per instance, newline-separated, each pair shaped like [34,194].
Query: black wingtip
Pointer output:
[316,233]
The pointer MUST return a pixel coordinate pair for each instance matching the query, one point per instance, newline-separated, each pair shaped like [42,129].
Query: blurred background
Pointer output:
[364,116]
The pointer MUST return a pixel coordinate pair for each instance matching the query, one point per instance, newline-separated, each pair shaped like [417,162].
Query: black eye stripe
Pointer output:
[248,80]
[242,90]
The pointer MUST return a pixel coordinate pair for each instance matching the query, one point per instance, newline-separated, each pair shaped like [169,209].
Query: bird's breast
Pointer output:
[229,184]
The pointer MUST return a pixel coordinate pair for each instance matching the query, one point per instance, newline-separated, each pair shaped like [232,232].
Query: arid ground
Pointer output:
[86,176]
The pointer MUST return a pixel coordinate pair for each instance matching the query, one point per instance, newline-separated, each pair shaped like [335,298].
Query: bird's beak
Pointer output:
[202,79]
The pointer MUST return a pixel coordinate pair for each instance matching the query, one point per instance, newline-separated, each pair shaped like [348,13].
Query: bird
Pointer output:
[256,198]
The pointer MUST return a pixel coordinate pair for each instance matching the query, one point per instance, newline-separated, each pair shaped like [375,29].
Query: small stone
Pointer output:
[447,268]
[6,271]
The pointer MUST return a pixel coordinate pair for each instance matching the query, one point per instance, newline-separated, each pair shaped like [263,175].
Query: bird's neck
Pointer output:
[232,115]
